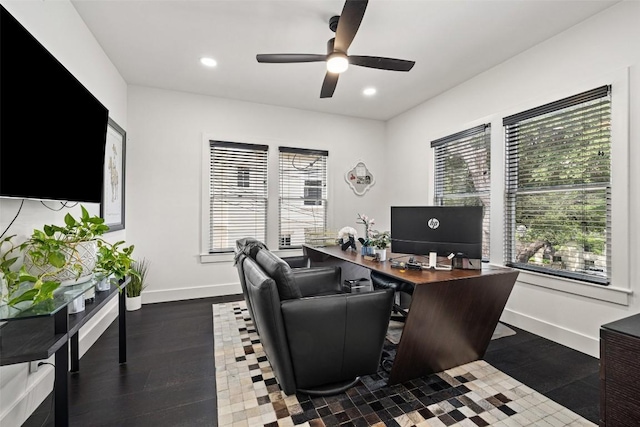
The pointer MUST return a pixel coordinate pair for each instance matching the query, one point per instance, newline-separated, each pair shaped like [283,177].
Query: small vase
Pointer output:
[103,283]
[382,254]
[134,303]
[367,250]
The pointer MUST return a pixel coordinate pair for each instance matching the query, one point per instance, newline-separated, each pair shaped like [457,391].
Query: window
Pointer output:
[303,194]
[313,192]
[244,176]
[237,194]
[558,187]
[463,173]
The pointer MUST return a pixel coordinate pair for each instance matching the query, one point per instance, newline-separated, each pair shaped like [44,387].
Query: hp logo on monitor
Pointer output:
[433,223]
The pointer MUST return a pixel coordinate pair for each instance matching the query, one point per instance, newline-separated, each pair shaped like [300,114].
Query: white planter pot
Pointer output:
[84,254]
[134,303]
[77,305]
[382,254]
[103,283]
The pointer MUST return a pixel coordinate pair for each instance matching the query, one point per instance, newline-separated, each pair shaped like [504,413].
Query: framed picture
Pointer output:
[112,206]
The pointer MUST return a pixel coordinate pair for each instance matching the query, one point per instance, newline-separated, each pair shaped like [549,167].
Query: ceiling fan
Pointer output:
[345,26]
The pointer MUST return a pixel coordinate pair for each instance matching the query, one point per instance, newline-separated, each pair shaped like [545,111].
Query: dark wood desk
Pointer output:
[452,314]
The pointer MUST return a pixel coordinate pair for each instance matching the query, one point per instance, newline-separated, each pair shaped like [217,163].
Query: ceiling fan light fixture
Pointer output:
[345,26]
[337,63]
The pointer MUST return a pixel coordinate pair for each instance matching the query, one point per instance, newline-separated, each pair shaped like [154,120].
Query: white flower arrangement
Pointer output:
[346,232]
[368,231]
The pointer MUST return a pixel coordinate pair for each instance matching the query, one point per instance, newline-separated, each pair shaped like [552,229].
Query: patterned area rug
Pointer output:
[475,394]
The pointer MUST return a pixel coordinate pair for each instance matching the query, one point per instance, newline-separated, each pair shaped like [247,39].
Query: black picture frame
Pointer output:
[113,194]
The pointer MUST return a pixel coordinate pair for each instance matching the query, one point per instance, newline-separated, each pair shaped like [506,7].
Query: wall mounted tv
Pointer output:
[52,129]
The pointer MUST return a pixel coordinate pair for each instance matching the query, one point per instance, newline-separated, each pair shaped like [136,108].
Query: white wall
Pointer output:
[59,28]
[603,50]
[165,153]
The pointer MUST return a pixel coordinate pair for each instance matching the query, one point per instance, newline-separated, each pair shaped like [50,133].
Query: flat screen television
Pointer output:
[421,230]
[52,129]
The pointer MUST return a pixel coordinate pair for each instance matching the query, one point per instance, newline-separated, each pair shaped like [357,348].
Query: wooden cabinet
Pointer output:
[620,373]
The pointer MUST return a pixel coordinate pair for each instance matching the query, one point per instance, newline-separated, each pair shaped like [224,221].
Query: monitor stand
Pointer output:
[433,262]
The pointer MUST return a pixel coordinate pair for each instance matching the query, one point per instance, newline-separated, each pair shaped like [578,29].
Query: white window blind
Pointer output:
[463,173]
[238,193]
[303,194]
[558,187]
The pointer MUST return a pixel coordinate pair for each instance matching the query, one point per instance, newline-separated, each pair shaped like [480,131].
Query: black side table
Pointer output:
[47,328]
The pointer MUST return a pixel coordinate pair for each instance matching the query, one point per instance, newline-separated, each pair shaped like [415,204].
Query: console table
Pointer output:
[42,330]
[620,372]
[452,314]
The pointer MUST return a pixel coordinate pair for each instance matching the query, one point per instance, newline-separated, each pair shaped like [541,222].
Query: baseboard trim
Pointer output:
[561,335]
[38,387]
[194,292]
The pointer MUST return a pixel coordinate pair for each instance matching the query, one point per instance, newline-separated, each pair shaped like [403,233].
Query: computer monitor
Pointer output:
[445,230]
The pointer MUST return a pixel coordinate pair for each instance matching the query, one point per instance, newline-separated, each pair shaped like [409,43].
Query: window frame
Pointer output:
[453,141]
[240,180]
[514,192]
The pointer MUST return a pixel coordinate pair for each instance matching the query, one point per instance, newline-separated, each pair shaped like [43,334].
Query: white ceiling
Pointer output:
[159,43]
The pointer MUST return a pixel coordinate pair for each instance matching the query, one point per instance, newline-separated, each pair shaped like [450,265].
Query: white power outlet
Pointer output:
[33,366]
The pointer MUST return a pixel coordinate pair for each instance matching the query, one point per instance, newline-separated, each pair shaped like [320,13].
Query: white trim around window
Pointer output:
[619,290]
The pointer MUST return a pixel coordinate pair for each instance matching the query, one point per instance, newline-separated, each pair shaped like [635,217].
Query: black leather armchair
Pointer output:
[317,339]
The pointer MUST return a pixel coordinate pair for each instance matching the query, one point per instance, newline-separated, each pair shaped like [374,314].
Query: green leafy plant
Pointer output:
[15,282]
[54,248]
[381,239]
[57,246]
[114,260]
[138,281]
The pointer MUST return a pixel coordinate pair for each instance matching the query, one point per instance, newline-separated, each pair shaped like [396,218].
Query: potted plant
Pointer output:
[380,241]
[17,286]
[367,248]
[137,283]
[58,255]
[113,261]
[66,253]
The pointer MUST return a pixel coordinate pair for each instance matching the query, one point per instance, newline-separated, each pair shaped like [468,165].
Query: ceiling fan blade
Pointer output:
[381,63]
[279,58]
[349,22]
[329,85]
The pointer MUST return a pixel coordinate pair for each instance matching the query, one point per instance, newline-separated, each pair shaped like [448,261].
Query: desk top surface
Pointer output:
[412,276]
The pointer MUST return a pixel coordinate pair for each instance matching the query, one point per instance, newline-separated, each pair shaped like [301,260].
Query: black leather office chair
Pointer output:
[317,339]
[380,281]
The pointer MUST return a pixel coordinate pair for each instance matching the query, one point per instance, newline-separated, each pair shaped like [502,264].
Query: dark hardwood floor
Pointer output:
[169,377]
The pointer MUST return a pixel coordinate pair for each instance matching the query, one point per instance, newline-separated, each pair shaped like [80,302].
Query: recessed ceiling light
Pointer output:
[370,91]
[209,62]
